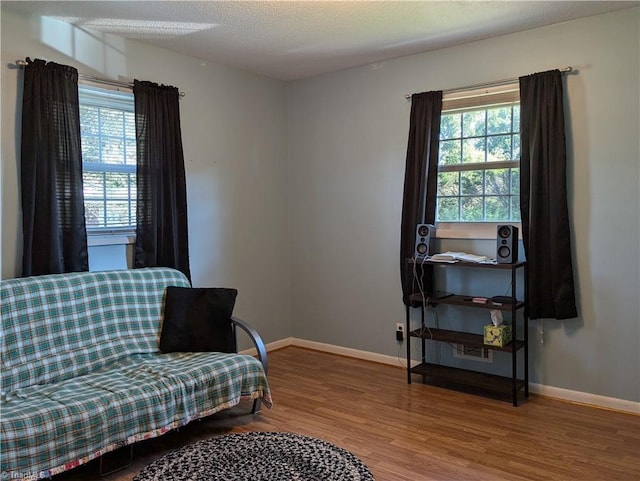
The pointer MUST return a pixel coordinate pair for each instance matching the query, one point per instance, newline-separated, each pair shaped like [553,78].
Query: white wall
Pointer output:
[234,138]
[347,145]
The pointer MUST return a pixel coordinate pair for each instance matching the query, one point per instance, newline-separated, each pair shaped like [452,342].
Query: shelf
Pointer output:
[455,300]
[469,380]
[465,338]
[480,265]
[464,378]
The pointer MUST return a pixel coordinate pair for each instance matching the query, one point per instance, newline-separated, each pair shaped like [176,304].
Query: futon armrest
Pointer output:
[262,351]
[255,338]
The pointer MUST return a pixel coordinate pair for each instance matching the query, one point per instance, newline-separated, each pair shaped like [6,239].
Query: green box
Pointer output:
[497,335]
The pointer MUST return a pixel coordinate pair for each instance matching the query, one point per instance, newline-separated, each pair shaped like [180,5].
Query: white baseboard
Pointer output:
[349,352]
[272,346]
[332,349]
[594,400]
[586,398]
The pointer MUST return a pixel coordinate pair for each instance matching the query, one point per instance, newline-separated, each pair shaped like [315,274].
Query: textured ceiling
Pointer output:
[295,39]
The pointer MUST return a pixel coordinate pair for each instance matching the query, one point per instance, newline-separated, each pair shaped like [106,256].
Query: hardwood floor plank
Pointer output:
[419,432]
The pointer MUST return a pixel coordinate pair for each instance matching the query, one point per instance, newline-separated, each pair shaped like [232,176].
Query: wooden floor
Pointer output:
[418,432]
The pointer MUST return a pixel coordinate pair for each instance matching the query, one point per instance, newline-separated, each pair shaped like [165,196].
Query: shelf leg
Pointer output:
[526,356]
[422,340]
[408,341]
[514,360]
[514,382]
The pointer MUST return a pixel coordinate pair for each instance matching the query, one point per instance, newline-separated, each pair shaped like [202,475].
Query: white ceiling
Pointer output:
[290,40]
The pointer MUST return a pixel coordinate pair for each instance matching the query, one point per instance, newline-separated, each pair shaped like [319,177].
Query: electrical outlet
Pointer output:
[399,332]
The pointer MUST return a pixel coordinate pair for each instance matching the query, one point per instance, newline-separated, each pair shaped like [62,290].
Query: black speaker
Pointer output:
[507,248]
[425,235]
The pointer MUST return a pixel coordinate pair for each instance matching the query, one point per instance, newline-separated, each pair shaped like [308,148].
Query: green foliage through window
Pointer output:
[479,165]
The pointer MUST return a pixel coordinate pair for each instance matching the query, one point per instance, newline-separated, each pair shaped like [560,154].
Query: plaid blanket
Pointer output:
[82,375]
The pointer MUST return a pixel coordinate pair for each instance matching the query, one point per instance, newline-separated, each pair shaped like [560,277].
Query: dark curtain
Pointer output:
[161,205]
[420,184]
[543,197]
[53,223]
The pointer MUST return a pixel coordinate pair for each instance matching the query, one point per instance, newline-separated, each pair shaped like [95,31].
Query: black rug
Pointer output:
[257,456]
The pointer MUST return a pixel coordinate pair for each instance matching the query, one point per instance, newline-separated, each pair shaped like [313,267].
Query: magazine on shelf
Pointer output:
[452,257]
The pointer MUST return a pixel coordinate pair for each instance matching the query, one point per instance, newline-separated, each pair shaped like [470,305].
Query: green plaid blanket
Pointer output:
[81,372]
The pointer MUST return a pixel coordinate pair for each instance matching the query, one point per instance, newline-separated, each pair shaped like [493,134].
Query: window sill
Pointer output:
[110,239]
[471,230]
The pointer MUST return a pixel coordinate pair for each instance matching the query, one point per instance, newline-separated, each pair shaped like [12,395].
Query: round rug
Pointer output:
[257,456]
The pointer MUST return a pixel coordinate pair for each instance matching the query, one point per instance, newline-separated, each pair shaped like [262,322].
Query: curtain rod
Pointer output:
[114,83]
[488,84]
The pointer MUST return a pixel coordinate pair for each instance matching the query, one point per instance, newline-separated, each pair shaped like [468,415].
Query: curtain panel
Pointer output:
[543,197]
[420,184]
[53,221]
[161,205]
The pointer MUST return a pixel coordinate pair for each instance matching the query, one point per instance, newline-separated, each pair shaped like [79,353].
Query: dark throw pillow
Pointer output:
[198,320]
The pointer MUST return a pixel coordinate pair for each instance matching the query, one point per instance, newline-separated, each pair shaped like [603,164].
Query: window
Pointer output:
[479,160]
[108,136]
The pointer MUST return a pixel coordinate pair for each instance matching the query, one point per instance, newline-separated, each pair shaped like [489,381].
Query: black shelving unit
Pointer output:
[466,379]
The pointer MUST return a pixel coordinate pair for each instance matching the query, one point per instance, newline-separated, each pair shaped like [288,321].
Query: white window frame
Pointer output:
[119,98]
[458,100]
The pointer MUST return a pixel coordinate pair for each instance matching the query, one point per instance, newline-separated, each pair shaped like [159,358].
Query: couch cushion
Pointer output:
[59,326]
[198,320]
[54,427]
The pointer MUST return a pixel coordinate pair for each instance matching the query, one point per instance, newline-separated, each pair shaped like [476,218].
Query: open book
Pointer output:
[457,256]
